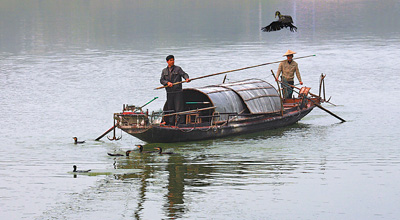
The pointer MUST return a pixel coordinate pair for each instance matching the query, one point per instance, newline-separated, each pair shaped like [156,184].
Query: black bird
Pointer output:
[79,171]
[78,142]
[160,151]
[141,149]
[284,21]
[120,155]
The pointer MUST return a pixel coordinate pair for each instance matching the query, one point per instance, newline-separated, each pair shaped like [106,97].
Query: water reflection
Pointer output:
[180,172]
[176,177]
[197,166]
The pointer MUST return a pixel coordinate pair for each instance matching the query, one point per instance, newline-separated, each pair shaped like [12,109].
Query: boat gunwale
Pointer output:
[240,122]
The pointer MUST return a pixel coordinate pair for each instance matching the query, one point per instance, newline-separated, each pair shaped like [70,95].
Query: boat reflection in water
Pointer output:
[179,172]
[178,179]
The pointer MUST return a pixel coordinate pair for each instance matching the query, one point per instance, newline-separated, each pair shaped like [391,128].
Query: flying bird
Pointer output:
[284,21]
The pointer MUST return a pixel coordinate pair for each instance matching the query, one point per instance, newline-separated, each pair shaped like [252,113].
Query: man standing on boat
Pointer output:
[287,68]
[172,74]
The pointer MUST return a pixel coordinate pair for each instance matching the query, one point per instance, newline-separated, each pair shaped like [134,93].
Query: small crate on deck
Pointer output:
[304,91]
[193,119]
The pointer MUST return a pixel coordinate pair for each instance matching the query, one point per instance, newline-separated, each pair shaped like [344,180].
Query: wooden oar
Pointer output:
[316,104]
[280,92]
[244,68]
[319,106]
[105,133]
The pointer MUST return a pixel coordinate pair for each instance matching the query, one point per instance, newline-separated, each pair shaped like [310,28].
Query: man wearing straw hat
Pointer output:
[287,68]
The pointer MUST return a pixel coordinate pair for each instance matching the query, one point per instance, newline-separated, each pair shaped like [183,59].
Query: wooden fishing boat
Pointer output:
[216,111]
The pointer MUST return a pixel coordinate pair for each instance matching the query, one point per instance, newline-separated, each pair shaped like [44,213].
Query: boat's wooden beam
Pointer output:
[195,110]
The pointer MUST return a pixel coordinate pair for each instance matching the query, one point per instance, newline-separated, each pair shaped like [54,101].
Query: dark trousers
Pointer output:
[287,90]
[175,103]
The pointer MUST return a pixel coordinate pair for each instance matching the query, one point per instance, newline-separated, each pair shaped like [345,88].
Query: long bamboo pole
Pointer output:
[229,71]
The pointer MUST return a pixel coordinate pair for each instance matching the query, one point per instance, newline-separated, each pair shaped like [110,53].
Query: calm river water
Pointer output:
[67,66]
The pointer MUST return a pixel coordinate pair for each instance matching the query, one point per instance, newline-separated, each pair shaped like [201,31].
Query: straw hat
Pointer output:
[289,52]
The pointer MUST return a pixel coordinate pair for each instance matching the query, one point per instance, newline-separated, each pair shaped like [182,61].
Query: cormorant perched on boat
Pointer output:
[141,149]
[78,142]
[284,21]
[160,151]
[120,155]
[79,171]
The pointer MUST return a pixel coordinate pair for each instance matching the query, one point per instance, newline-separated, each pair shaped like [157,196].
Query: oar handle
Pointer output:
[229,71]
[172,84]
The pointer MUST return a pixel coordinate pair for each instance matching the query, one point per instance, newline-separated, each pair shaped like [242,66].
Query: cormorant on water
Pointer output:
[141,149]
[78,142]
[284,21]
[79,171]
[160,151]
[120,155]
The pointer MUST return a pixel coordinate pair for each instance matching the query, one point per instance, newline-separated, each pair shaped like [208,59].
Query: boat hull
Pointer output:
[170,134]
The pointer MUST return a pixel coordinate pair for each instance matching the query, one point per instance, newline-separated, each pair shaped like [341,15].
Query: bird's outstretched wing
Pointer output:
[290,26]
[278,25]
[274,26]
